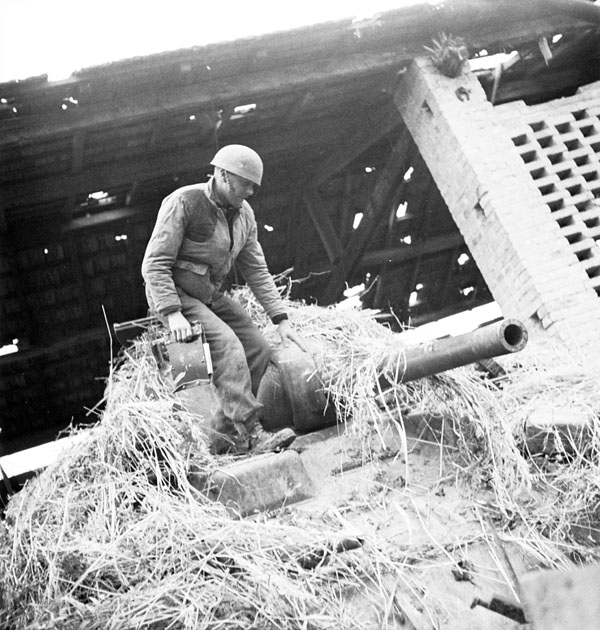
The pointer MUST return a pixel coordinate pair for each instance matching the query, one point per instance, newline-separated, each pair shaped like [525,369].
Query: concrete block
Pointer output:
[552,429]
[258,483]
[555,600]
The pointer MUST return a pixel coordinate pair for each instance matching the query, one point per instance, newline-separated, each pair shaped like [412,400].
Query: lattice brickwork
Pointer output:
[523,186]
[561,151]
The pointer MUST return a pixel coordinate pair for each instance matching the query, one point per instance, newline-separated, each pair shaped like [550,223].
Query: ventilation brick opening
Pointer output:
[562,156]
[565,221]
[538,125]
[596,288]
[593,268]
[587,130]
[555,204]
[529,156]
[582,205]
[547,189]
[538,173]
[556,157]
[568,172]
[573,144]
[584,254]
[590,176]
[573,237]
[565,127]
[546,141]
[520,140]
[592,223]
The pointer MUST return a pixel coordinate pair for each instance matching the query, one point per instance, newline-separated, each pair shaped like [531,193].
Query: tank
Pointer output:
[293,393]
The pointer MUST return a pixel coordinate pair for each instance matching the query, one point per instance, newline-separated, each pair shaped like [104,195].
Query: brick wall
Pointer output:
[522,184]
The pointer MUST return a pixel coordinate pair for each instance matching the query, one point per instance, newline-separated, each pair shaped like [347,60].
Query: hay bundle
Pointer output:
[563,502]
[113,536]
[549,503]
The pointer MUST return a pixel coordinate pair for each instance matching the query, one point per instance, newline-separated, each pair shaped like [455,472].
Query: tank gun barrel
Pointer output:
[493,340]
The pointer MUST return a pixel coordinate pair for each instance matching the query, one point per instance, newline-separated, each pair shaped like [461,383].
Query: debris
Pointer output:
[502,607]
[463,571]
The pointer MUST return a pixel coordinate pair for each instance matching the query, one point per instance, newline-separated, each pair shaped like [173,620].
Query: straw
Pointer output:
[114,536]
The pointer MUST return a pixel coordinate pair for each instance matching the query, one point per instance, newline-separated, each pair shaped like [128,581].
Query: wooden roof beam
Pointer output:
[541,86]
[575,9]
[125,173]
[375,211]
[132,194]
[397,256]
[394,256]
[104,177]
[223,121]
[482,23]
[298,106]
[248,87]
[78,148]
[452,257]
[447,311]
[76,167]
[379,123]
[54,232]
[320,218]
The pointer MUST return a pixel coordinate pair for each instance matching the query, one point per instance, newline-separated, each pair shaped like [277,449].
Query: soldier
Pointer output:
[200,231]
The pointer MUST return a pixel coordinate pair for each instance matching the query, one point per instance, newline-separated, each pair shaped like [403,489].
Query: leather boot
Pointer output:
[262,441]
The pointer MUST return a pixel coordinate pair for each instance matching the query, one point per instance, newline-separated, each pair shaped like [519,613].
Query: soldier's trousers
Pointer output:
[240,353]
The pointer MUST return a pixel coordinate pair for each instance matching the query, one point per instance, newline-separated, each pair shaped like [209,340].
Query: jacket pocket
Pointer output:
[198,285]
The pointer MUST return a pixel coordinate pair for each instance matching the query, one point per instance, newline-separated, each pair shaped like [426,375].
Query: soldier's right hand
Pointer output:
[179,326]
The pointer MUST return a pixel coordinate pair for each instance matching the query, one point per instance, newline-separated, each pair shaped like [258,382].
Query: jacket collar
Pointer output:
[213,198]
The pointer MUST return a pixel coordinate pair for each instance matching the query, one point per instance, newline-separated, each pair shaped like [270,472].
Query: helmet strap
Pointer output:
[227,180]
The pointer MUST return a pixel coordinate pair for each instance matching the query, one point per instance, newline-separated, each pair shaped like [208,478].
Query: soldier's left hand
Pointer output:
[289,335]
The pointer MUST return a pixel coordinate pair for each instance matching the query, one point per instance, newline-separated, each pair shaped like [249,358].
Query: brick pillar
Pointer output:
[504,205]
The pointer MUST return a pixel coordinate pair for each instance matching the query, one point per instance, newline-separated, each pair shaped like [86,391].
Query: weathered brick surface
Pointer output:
[523,185]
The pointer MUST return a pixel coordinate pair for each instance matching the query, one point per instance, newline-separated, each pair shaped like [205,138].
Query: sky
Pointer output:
[58,37]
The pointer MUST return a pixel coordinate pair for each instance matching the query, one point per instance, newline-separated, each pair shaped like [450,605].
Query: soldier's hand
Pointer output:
[179,326]
[289,335]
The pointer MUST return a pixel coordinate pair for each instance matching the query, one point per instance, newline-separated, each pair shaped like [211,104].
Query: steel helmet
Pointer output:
[240,160]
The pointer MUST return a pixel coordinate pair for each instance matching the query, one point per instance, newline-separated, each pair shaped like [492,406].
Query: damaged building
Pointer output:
[435,194]
[428,161]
